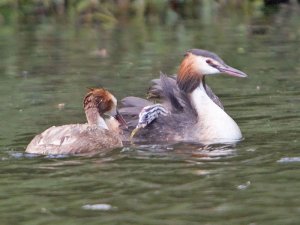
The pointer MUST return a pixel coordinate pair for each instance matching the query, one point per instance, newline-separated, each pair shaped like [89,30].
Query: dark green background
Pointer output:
[50,55]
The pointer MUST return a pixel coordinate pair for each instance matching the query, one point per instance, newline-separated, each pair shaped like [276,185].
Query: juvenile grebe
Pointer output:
[189,110]
[100,133]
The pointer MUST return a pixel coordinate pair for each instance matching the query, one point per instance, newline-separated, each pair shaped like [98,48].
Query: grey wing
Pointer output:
[177,101]
[159,87]
[131,108]
[165,90]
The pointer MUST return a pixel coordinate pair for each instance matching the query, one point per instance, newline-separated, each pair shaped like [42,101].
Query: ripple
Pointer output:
[289,159]
[244,186]
[102,207]
[21,155]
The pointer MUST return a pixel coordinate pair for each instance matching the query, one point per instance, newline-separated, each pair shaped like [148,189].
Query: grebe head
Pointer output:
[147,115]
[104,102]
[197,63]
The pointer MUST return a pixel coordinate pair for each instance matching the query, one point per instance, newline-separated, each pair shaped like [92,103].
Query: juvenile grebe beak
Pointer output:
[135,130]
[120,119]
[230,71]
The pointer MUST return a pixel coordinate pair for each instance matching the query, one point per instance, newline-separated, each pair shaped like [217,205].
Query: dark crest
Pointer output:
[205,53]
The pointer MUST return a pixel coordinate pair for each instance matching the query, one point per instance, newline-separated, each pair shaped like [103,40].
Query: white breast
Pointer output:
[214,124]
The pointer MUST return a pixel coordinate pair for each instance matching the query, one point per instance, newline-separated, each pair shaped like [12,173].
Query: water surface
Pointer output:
[50,64]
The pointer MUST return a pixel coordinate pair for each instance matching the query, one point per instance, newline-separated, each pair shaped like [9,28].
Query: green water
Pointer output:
[52,62]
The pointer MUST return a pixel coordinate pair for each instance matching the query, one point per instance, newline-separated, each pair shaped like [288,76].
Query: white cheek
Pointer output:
[204,68]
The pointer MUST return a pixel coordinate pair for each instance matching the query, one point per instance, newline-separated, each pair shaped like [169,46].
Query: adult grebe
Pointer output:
[100,133]
[189,110]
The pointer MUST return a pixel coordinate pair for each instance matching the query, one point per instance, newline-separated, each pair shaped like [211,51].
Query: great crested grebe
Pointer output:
[100,133]
[189,110]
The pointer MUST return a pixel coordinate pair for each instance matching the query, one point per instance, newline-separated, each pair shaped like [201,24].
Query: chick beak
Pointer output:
[134,131]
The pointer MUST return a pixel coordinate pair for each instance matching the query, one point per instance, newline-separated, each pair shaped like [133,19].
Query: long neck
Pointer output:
[214,123]
[112,124]
[93,118]
[200,99]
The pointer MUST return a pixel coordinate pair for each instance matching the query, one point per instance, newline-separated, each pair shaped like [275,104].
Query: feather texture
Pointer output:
[173,127]
[74,138]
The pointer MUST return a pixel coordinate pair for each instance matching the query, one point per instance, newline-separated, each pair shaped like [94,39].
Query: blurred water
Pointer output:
[51,63]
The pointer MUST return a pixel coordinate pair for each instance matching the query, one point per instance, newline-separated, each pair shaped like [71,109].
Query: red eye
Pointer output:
[208,61]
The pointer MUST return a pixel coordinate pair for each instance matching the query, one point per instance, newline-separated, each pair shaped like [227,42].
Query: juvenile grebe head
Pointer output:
[197,63]
[100,102]
[147,115]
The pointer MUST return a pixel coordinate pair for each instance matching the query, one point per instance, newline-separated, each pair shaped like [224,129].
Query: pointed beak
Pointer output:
[135,130]
[120,119]
[231,71]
